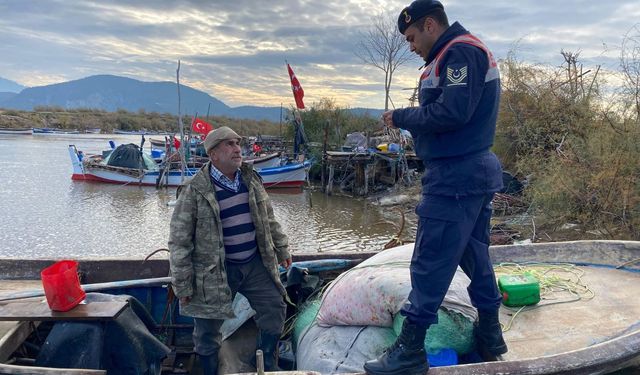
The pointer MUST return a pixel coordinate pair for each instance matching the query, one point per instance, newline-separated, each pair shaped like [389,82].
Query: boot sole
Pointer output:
[421,370]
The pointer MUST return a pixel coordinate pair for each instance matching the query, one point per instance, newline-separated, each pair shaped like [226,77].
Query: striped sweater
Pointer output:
[239,233]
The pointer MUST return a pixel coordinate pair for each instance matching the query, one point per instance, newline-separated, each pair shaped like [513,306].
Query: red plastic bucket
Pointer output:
[62,285]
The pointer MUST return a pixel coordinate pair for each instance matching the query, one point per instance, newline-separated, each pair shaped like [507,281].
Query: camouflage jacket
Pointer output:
[197,251]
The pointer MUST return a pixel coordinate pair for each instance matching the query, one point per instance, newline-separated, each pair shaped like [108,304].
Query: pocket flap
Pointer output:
[440,208]
[210,268]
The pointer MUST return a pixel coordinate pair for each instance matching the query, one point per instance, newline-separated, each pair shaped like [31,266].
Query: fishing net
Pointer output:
[306,316]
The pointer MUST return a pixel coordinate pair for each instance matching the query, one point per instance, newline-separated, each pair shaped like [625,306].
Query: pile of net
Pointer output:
[357,316]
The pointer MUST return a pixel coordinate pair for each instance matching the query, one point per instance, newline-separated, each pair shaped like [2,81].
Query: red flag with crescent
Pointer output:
[298,93]
[201,126]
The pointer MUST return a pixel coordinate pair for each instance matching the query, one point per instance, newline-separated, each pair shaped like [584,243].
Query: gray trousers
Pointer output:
[253,281]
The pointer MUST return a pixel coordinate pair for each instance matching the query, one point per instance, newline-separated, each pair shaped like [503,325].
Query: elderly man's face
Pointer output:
[227,156]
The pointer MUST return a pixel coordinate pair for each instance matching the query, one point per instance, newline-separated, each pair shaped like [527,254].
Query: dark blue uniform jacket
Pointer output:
[454,126]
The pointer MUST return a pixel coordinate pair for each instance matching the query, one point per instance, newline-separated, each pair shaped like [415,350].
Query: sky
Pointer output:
[235,50]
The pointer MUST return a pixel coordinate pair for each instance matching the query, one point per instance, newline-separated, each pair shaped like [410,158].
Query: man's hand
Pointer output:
[387,119]
[286,263]
[185,300]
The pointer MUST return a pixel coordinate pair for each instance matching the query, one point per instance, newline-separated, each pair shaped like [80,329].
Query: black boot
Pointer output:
[489,335]
[405,356]
[268,343]
[209,364]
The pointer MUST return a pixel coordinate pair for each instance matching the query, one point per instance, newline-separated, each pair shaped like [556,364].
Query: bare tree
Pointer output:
[630,66]
[385,48]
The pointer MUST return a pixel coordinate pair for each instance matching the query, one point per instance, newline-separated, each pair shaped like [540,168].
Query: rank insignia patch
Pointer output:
[456,76]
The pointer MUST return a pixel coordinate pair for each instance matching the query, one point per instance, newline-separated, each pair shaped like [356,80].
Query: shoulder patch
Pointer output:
[456,75]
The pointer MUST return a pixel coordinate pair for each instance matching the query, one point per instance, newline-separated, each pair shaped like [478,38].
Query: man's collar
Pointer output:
[451,32]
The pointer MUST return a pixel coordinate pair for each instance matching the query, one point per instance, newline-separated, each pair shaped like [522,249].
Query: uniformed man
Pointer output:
[224,239]
[453,129]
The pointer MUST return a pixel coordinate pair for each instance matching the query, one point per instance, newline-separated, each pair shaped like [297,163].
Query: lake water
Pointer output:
[44,214]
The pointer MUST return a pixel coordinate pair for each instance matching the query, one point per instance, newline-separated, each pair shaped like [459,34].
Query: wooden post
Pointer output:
[324,154]
[358,183]
[366,179]
[330,182]
[394,173]
[259,362]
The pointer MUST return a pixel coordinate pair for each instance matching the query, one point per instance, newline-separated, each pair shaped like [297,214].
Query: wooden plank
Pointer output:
[38,311]
[13,337]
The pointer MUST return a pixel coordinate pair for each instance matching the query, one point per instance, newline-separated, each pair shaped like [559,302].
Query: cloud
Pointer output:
[235,50]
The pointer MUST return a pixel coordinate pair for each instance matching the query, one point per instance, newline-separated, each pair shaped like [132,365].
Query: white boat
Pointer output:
[21,131]
[265,161]
[94,168]
[97,169]
[49,131]
[286,176]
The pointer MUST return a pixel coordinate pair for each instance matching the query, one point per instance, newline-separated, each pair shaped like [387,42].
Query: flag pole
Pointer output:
[181,126]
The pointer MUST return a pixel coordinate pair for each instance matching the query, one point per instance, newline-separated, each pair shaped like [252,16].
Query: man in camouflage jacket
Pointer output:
[203,279]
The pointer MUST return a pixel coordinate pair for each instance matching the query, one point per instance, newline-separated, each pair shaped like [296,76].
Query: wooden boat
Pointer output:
[93,168]
[131,132]
[19,131]
[53,131]
[598,336]
[286,176]
[264,161]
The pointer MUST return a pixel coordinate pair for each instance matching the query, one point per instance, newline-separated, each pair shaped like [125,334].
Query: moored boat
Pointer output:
[264,161]
[598,336]
[286,176]
[97,169]
[54,131]
[19,131]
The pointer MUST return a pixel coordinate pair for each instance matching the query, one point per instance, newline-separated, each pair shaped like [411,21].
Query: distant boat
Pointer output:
[93,130]
[54,131]
[130,132]
[21,131]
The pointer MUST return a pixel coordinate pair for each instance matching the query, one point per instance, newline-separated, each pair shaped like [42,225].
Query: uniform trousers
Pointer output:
[452,231]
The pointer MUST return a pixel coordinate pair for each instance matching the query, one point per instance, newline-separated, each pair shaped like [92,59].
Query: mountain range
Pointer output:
[111,93]
[7,86]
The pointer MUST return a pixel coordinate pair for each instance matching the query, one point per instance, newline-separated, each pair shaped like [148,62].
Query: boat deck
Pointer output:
[546,329]
[559,328]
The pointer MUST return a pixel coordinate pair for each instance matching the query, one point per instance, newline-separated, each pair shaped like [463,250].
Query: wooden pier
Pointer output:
[361,170]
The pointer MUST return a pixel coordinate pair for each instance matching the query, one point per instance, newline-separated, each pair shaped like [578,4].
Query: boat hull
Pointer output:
[288,176]
[24,131]
[53,131]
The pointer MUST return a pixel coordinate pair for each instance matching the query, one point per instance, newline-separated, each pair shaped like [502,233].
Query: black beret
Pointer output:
[415,11]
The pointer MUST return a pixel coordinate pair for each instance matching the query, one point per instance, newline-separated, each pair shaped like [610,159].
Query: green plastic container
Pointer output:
[519,290]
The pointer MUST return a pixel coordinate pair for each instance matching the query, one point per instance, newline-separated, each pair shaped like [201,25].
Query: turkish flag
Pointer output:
[298,92]
[176,143]
[201,126]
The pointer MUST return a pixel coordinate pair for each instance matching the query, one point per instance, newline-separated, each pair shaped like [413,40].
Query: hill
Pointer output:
[111,93]
[9,86]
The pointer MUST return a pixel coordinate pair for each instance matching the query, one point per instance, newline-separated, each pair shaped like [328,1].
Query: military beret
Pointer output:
[218,135]
[415,11]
